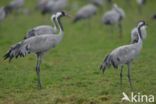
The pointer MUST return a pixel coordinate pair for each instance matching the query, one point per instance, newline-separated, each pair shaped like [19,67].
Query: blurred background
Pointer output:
[70,72]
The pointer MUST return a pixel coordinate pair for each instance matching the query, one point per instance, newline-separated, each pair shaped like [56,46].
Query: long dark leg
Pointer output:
[121,75]
[120,29]
[129,75]
[38,69]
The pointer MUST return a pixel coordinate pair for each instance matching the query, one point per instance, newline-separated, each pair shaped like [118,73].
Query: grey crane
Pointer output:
[124,55]
[39,45]
[114,16]
[85,12]
[15,5]
[140,3]
[134,34]
[43,29]
[53,6]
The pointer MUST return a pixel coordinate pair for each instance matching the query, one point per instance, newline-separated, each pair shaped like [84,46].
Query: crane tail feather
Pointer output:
[106,63]
[15,51]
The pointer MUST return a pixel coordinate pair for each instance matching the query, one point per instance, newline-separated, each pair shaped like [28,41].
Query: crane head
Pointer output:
[62,13]
[141,23]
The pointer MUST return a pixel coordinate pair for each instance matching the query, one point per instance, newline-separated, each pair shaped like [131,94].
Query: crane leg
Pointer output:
[120,29]
[38,69]
[129,75]
[121,75]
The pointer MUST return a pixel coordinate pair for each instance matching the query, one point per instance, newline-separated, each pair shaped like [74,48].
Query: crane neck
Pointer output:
[54,24]
[60,25]
[139,35]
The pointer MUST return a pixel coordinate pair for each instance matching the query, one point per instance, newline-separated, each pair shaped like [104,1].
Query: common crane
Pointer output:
[85,12]
[124,55]
[38,44]
[43,29]
[114,16]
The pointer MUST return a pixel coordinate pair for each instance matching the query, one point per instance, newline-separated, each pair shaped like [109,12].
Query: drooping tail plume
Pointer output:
[108,61]
[15,51]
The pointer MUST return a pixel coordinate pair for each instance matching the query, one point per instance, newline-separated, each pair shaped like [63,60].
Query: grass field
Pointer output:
[70,73]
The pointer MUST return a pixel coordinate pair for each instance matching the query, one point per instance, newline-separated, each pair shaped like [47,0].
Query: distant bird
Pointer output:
[39,45]
[2,14]
[140,3]
[53,6]
[109,1]
[43,29]
[114,16]
[85,12]
[134,34]
[97,2]
[124,54]
[41,4]
[15,5]
[154,16]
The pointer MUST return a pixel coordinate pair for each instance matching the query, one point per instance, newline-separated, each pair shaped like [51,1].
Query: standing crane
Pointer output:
[124,55]
[114,16]
[43,29]
[85,12]
[38,44]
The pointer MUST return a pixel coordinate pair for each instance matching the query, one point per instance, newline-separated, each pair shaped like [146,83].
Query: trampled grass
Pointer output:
[70,72]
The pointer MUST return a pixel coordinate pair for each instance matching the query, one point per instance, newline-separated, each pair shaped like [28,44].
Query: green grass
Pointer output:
[70,72]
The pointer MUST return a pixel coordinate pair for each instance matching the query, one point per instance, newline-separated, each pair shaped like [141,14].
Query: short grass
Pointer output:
[70,72]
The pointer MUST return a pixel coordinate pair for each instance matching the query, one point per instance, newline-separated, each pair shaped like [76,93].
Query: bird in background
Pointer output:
[43,29]
[114,16]
[140,3]
[38,44]
[15,5]
[124,55]
[97,2]
[53,6]
[85,12]
[153,17]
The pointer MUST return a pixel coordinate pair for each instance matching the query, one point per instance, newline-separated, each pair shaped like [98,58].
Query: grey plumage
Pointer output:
[97,2]
[114,16]
[53,6]
[43,29]
[85,12]
[15,5]
[124,55]
[38,44]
